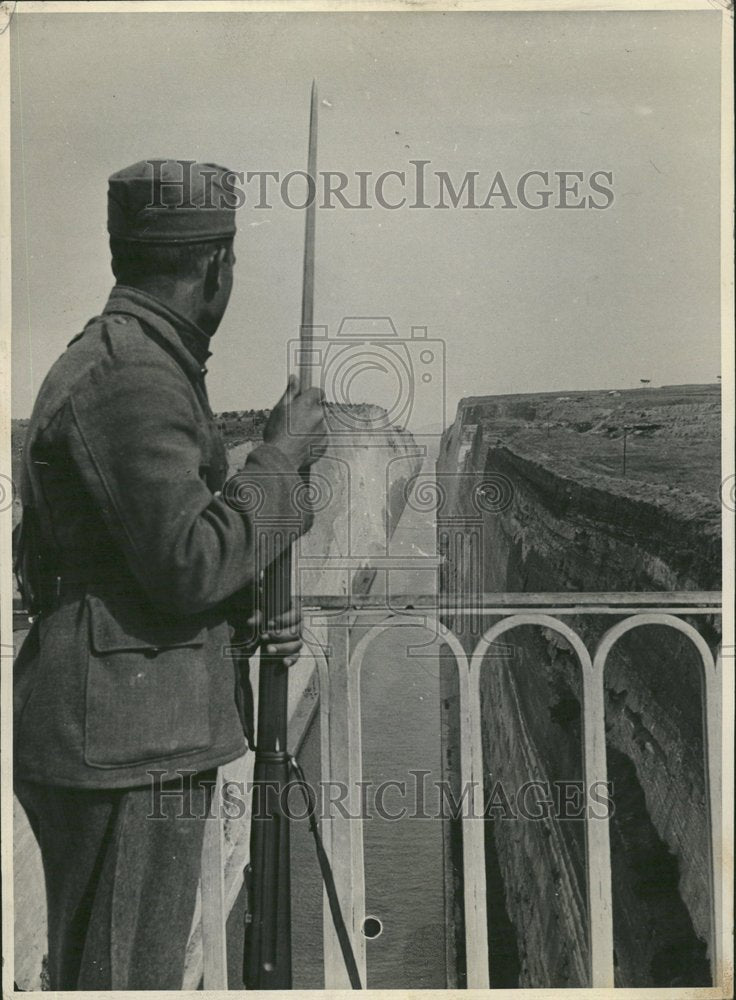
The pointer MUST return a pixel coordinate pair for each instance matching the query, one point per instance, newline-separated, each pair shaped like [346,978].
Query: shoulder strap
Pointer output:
[328,878]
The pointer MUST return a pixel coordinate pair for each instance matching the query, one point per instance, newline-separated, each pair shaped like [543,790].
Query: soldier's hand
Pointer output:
[296,425]
[282,636]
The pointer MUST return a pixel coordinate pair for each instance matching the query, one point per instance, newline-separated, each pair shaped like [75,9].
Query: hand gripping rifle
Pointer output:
[267,951]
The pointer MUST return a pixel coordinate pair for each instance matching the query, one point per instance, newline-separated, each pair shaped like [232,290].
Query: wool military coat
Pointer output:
[142,567]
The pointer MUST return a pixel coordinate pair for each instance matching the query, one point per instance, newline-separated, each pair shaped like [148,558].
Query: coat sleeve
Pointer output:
[134,439]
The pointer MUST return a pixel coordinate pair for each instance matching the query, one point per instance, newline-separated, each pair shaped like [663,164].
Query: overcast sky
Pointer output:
[523,300]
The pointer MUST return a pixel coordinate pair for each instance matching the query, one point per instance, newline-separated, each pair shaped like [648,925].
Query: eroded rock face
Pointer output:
[360,486]
[579,531]
[358,493]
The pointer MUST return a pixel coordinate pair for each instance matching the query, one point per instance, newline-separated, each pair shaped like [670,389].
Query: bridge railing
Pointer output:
[338,635]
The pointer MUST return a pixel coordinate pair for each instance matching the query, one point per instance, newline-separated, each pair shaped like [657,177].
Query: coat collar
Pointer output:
[186,338]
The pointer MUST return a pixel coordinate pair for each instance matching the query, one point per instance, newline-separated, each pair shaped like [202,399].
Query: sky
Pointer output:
[518,300]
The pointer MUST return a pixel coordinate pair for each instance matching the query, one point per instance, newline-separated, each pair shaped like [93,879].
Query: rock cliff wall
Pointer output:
[559,524]
[358,493]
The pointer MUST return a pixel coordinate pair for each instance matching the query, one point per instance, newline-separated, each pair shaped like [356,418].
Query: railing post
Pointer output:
[714,756]
[343,836]
[597,832]
[212,887]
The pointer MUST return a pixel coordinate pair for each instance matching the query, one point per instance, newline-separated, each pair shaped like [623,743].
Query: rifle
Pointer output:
[267,949]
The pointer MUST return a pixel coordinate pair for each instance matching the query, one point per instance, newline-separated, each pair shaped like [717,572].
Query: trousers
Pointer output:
[121,868]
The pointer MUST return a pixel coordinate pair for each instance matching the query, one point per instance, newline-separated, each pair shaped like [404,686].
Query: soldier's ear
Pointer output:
[213,275]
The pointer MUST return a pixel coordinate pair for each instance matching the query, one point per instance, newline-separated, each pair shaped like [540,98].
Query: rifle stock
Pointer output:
[267,954]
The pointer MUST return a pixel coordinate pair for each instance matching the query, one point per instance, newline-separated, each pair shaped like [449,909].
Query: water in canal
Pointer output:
[403,857]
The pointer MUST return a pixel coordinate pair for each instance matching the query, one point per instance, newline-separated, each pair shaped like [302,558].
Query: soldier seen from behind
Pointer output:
[141,573]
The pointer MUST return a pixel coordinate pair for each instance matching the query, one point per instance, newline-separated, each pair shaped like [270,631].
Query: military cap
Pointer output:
[171,201]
